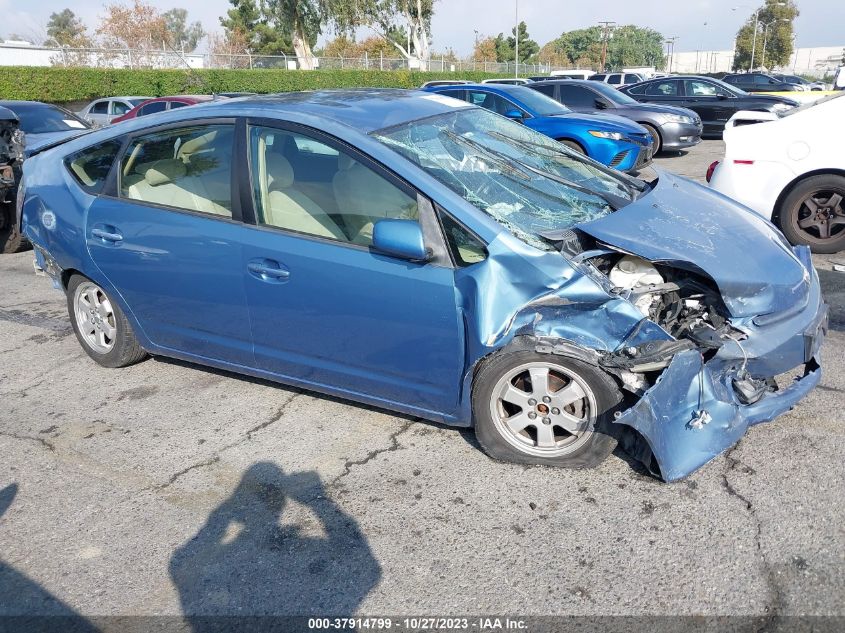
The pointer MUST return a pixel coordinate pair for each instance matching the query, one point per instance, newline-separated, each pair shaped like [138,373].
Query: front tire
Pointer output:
[532,408]
[573,145]
[813,213]
[100,325]
[658,142]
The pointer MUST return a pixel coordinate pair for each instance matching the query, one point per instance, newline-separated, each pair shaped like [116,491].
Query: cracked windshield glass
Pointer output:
[527,182]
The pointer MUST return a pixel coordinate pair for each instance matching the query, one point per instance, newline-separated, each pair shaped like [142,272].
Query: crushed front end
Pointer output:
[700,388]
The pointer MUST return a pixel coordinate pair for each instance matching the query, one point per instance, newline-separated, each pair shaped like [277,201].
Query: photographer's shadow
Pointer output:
[244,562]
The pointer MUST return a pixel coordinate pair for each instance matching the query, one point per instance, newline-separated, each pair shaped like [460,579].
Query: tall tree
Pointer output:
[181,35]
[248,24]
[300,21]
[527,47]
[628,45]
[485,50]
[138,26]
[776,37]
[65,29]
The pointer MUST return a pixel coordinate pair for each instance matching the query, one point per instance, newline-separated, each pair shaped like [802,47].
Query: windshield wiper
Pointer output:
[627,181]
[614,202]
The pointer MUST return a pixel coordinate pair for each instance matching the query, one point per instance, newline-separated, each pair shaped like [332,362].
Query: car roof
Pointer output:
[362,109]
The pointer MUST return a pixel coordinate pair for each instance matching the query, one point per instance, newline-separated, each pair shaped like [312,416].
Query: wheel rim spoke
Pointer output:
[811,204]
[515,396]
[571,424]
[93,299]
[834,201]
[518,422]
[108,330]
[545,436]
[806,223]
[824,229]
[570,394]
[539,381]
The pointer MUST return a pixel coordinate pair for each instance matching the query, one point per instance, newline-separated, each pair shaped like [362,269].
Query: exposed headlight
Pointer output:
[678,118]
[780,107]
[614,136]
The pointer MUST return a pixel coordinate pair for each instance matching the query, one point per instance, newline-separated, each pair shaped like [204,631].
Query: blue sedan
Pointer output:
[609,139]
[428,256]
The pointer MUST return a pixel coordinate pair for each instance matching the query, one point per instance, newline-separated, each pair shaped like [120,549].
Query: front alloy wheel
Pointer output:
[534,408]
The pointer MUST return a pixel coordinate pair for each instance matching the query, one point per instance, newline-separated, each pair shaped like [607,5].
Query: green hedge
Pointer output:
[58,85]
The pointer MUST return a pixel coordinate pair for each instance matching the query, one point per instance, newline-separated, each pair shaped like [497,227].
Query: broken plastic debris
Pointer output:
[699,419]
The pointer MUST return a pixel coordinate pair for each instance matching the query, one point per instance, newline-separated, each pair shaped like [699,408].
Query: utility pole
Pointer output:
[606,27]
[670,51]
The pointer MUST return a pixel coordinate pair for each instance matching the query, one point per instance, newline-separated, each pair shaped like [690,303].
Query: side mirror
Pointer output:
[601,105]
[515,114]
[772,81]
[400,238]
[721,96]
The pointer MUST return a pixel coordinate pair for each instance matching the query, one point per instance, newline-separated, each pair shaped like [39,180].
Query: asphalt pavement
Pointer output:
[169,488]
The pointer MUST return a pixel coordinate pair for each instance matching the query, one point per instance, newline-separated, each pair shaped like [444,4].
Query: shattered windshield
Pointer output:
[527,182]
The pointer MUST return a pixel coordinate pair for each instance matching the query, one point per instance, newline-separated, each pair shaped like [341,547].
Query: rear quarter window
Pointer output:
[90,167]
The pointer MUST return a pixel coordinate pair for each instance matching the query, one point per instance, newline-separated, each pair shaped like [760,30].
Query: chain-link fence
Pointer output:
[152,58]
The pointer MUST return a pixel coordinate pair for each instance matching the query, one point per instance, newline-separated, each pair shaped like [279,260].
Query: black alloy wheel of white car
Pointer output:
[813,213]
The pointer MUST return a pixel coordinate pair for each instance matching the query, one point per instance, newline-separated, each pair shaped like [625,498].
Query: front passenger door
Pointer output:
[711,102]
[329,311]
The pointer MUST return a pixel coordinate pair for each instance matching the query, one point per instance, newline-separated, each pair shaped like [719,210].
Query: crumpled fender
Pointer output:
[667,416]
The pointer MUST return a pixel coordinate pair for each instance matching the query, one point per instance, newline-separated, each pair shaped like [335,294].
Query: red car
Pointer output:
[160,104]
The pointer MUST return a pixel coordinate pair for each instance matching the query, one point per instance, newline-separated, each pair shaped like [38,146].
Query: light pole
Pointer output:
[516,35]
[765,38]
[756,21]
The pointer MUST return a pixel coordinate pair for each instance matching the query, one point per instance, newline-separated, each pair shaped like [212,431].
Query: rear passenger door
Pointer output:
[165,234]
[578,98]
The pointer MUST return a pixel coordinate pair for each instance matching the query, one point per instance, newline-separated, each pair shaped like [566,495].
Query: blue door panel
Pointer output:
[354,320]
[181,275]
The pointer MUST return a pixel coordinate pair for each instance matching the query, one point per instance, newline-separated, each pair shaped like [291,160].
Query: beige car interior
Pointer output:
[345,209]
[196,176]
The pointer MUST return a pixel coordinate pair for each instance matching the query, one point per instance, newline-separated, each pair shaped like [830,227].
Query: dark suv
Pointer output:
[760,82]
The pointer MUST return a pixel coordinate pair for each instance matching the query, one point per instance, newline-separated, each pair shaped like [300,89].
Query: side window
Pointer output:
[598,77]
[177,104]
[547,89]
[151,108]
[302,184]
[663,89]
[731,79]
[638,90]
[490,101]
[577,97]
[761,80]
[101,107]
[90,167]
[119,108]
[632,79]
[465,247]
[188,168]
[696,88]
[614,80]
[455,94]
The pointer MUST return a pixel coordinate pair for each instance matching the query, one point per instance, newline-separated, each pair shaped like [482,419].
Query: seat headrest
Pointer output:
[279,171]
[345,162]
[163,171]
[196,144]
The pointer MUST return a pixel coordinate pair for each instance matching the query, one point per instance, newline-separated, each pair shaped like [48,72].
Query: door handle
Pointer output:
[268,269]
[107,236]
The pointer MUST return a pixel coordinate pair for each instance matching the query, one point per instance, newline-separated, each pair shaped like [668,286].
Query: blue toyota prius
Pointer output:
[425,255]
[611,140]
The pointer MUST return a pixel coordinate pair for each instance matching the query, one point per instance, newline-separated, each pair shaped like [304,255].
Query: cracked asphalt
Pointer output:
[168,488]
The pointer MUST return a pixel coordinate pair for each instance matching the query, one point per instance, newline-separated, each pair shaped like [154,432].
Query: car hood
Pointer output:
[611,122]
[37,142]
[692,227]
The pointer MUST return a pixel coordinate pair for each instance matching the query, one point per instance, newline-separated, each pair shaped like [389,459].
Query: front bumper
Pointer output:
[680,135]
[694,411]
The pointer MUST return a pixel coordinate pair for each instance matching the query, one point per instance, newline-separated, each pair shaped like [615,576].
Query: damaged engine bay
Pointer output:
[11,160]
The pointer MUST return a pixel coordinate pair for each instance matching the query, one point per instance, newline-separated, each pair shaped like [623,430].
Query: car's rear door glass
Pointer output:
[187,168]
[90,166]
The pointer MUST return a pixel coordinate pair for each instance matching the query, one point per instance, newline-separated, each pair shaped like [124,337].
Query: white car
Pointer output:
[103,111]
[790,168]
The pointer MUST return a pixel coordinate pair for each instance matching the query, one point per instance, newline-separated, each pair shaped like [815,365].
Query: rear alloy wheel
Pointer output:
[814,214]
[534,408]
[658,142]
[100,325]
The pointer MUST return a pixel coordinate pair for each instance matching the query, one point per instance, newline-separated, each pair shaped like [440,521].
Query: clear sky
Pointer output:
[699,24]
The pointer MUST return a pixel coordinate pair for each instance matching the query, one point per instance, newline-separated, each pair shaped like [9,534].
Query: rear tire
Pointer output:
[813,213]
[658,142]
[569,423]
[100,325]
